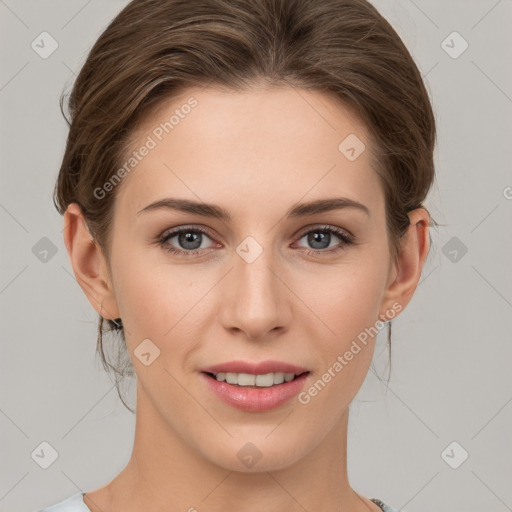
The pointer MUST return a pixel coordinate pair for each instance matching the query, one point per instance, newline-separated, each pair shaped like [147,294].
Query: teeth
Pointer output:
[247,379]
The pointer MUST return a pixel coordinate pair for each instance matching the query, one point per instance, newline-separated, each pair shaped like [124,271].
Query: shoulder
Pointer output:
[384,507]
[74,503]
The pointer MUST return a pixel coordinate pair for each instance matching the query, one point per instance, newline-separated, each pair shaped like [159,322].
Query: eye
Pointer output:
[190,239]
[321,243]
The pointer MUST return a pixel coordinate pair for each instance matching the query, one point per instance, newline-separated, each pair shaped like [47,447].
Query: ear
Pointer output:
[89,264]
[406,270]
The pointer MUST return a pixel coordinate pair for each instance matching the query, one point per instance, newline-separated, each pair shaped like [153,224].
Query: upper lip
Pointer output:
[260,368]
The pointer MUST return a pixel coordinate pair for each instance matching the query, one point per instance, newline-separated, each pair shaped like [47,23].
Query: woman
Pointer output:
[242,191]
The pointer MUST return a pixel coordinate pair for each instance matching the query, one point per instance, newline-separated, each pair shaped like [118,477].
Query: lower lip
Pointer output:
[255,399]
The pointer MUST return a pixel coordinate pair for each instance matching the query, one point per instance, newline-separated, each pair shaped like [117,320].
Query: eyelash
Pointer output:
[346,238]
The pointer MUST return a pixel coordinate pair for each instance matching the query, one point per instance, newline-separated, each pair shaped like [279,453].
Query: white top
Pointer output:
[76,503]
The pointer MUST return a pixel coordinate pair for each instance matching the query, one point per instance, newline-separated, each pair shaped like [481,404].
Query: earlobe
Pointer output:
[88,263]
[412,254]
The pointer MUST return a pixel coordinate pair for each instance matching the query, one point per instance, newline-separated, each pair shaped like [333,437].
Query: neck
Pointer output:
[166,474]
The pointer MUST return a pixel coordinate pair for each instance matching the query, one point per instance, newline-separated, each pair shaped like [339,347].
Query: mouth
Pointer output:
[255,387]
[249,380]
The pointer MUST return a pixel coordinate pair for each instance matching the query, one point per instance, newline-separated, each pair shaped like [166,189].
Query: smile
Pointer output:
[255,392]
[250,380]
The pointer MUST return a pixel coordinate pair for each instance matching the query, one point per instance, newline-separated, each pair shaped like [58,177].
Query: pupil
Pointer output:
[189,238]
[314,237]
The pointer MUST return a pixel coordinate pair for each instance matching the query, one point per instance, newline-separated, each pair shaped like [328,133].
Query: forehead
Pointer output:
[250,150]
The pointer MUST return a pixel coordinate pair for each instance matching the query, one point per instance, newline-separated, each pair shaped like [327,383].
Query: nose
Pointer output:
[255,301]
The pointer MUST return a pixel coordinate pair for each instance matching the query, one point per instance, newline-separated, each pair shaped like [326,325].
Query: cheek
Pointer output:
[346,310]
[166,305]
[345,300]
[150,298]
[344,328]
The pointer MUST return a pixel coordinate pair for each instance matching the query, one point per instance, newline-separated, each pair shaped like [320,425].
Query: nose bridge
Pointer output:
[257,300]
[255,268]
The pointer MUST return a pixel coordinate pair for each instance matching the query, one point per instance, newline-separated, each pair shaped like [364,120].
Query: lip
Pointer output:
[255,399]
[260,368]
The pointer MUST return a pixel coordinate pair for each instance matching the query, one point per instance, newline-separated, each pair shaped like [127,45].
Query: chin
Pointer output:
[262,452]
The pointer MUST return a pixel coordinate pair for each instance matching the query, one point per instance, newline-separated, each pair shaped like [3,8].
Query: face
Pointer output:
[261,285]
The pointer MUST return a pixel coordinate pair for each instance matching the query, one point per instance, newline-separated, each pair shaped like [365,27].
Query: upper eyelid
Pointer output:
[321,227]
[176,231]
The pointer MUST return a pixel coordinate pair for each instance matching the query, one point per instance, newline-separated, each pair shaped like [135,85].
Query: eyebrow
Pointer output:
[217,212]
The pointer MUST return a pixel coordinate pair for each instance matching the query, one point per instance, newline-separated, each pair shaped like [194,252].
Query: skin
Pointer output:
[255,153]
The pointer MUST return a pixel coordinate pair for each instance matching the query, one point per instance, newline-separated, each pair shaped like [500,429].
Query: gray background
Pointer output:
[451,374]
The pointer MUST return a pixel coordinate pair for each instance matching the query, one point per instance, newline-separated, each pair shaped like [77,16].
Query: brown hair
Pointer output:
[154,49]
